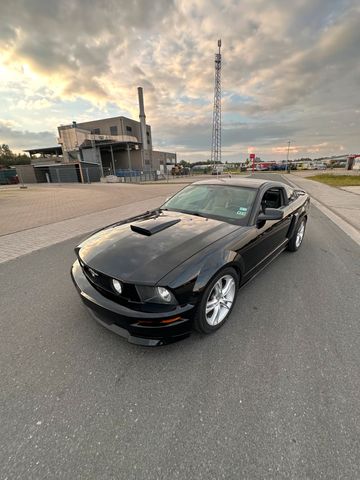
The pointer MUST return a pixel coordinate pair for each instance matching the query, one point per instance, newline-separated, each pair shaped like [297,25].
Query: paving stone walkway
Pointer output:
[26,241]
[42,204]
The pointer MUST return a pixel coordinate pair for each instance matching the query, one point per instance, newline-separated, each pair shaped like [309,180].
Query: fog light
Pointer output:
[117,286]
[164,294]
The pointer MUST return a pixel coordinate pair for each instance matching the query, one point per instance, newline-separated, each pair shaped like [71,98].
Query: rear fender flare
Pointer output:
[295,221]
[293,224]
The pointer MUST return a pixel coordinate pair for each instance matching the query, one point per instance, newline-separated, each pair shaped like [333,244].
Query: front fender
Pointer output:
[215,262]
[190,279]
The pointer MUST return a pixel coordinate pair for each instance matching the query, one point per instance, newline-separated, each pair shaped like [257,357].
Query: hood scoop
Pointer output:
[150,227]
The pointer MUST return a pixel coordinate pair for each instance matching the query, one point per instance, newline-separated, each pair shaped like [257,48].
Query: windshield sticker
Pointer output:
[242,211]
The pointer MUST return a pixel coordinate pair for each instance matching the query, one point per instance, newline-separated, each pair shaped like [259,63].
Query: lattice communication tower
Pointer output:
[216,130]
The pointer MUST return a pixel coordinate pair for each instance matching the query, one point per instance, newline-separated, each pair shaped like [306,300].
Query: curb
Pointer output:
[339,221]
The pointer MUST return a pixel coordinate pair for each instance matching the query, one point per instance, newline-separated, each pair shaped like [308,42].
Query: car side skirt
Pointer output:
[264,263]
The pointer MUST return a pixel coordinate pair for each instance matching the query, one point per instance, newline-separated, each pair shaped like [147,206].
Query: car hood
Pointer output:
[147,249]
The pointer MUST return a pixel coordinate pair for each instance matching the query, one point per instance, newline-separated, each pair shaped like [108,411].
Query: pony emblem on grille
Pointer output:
[92,273]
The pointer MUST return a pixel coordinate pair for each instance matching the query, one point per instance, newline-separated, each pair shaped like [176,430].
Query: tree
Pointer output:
[6,154]
[19,159]
[9,158]
[184,163]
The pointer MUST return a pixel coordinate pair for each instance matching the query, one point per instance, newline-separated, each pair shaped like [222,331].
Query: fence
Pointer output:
[90,173]
[137,176]
[8,176]
[72,173]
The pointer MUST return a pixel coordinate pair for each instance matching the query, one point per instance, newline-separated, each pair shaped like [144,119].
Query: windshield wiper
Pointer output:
[196,214]
[187,212]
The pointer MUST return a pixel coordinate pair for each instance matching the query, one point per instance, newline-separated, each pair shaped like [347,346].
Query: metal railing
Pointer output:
[138,176]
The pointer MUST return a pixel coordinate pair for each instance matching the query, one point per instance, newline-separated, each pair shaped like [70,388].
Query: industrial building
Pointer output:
[111,146]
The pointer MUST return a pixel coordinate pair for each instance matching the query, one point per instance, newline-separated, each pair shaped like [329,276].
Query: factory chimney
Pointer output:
[142,119]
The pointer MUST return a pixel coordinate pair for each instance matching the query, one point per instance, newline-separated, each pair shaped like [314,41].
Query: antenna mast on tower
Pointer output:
[216,130]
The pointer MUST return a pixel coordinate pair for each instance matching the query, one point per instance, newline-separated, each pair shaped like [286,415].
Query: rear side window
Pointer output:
[273,198]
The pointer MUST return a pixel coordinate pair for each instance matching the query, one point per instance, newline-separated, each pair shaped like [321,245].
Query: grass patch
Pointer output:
[337,180]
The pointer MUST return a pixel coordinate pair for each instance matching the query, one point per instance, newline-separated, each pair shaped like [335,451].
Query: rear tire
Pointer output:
[298,236]
[217,301]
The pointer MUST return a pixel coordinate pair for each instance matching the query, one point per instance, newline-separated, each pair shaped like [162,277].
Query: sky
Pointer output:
[290,71]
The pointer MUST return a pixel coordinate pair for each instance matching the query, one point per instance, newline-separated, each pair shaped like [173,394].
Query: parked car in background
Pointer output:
[304,166]
[278,166]
[261,167]
[320,166]
[218,170]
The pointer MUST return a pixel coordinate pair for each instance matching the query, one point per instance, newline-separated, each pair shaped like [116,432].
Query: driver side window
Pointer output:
[273,198]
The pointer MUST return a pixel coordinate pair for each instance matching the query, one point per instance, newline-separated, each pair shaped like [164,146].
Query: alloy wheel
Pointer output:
[220,300]
[300,235]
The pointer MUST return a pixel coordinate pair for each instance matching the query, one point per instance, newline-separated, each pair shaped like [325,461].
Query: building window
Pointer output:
[128,129]
[113,130]
[96,131]
[147,162]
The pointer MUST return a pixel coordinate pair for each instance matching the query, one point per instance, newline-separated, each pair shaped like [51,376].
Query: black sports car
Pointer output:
[155,277]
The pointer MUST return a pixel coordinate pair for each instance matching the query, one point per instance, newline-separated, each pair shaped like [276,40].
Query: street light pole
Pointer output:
[21,180]
[287,158]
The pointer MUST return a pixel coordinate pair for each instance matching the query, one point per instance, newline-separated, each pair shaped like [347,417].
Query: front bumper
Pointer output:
[140,328]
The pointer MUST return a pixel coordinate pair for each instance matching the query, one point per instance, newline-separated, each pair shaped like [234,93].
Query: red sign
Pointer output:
[252,157]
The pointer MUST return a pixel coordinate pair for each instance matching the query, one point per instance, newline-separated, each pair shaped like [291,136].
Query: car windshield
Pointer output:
[224,202]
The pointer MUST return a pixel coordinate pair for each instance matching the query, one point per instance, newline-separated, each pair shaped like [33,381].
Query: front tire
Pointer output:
[217,301]
[298,236]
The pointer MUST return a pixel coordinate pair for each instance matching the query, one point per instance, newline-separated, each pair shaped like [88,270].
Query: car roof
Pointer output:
[240,182]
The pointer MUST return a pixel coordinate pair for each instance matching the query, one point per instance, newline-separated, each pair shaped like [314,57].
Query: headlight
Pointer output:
[117,286]
[164,294]
[156,295]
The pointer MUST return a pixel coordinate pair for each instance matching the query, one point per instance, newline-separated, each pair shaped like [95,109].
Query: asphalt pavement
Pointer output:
[274,394]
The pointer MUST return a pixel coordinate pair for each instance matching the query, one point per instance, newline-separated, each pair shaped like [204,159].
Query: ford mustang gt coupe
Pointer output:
[155,277]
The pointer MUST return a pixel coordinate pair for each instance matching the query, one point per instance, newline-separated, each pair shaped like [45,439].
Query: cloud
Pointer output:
[24,139]
[288,70]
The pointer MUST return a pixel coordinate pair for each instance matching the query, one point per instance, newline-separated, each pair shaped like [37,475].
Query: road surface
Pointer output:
[274,394]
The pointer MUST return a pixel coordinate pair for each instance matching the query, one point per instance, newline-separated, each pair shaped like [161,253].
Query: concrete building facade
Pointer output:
[115,146]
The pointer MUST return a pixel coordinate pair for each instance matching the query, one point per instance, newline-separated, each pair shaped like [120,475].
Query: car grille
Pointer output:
[103,284]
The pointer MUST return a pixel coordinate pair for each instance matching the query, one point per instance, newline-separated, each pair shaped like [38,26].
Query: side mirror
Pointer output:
[270,214]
